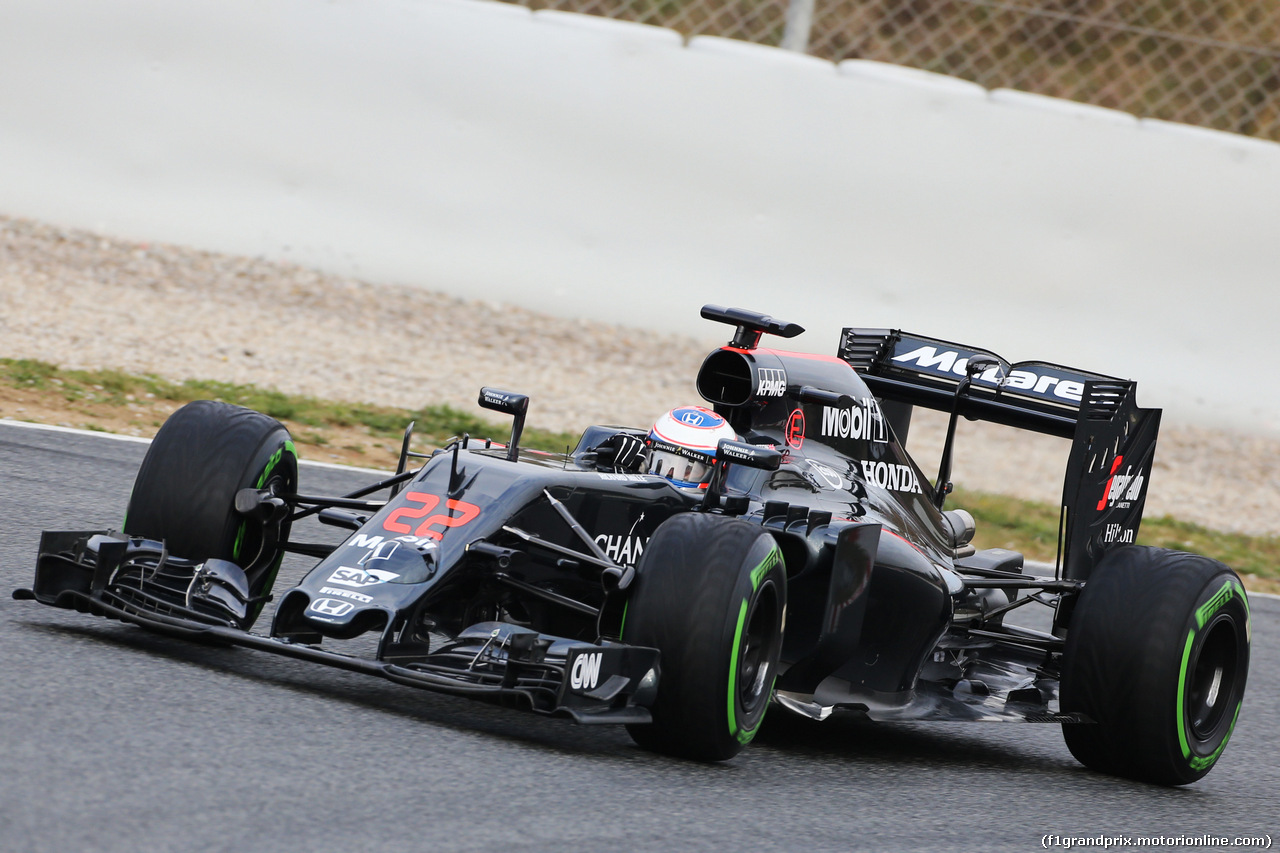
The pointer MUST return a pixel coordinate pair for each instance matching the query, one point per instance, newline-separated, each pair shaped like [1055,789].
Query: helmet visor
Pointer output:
[681,470]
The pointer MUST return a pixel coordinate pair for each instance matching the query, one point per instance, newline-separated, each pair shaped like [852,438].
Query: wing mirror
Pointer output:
[516,405]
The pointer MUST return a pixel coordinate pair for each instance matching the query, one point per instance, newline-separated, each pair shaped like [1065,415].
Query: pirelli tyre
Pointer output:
[185,491]
[710,594]
[1157,654]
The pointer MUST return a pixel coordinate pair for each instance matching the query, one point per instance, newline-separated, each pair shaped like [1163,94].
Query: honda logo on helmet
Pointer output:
[696,417]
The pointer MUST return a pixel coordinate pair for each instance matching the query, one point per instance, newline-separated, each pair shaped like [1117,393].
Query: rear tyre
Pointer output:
[1158,655]
[185,490]
[710,594]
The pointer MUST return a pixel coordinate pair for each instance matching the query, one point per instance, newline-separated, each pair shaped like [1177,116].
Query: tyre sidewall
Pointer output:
[1221,609]
[699,585]
[1137,633]
[760,588]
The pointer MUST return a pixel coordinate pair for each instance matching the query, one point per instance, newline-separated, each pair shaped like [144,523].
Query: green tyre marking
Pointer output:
[733,678]
[1182,689]
[1213,605]
[287,447]
[1199,763]
[744,736]
[770,560]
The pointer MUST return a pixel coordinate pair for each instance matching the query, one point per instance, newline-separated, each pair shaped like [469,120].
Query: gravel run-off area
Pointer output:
[84,301]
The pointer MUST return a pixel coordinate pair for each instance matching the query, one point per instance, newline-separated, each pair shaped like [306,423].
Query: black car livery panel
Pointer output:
[819,571]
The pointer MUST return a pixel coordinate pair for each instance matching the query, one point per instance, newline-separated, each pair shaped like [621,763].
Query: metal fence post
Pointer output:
[799,23]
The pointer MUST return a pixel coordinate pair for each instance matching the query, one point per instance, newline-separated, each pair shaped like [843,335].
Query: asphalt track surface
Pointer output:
[119,740]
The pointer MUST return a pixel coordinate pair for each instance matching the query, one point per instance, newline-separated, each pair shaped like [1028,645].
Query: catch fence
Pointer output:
[1214,63]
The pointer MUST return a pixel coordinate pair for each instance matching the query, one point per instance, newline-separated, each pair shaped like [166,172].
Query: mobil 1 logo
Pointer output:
[862,420]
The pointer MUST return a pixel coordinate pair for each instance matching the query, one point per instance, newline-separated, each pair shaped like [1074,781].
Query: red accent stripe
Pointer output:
[1115,466]
[813,356]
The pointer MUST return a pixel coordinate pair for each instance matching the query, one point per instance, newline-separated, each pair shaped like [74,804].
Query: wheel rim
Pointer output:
[1213,679]
[251,536]
[754,662]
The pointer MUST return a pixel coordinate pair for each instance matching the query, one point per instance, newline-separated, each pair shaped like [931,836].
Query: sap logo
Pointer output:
[1122,489]
[1117,534]
[772,382]
[347,576]
[949,361]
[861,420]
[329,607]
[585,672]
[895,478]
[623,550]
[346,593]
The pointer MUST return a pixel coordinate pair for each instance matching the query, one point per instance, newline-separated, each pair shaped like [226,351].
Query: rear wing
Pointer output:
[1113,440]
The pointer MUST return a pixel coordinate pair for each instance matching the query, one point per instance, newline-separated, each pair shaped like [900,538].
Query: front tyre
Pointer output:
[710,594]
[185,490]
[1158,655]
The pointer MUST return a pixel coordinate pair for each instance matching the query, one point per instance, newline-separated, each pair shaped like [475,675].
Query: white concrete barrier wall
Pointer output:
[604,169]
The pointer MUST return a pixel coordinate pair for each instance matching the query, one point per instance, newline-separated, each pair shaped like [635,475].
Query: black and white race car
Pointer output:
[818,570]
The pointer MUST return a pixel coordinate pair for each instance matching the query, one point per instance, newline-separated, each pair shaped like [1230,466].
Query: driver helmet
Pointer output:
[682,445]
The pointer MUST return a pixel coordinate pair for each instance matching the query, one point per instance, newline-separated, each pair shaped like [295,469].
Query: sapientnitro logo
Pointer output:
[891,476]
[772,382]
[861,420]
[1121,489]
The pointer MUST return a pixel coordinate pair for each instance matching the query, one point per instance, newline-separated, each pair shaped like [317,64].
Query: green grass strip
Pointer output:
[114,387]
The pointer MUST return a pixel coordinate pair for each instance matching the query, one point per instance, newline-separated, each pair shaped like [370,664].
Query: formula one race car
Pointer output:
[816,569]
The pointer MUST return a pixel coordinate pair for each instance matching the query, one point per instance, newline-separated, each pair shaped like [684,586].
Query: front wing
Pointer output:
[136,581]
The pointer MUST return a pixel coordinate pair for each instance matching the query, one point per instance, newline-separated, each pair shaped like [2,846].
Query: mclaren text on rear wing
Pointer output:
[925,371]
[1113,440]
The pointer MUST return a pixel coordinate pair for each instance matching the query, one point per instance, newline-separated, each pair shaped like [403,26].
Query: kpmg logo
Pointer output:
[771,382]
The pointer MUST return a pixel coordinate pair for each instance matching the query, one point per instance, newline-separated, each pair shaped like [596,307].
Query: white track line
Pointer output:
[139,440]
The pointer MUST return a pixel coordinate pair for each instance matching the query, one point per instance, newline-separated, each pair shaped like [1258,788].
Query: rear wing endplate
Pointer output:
[1113,440]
